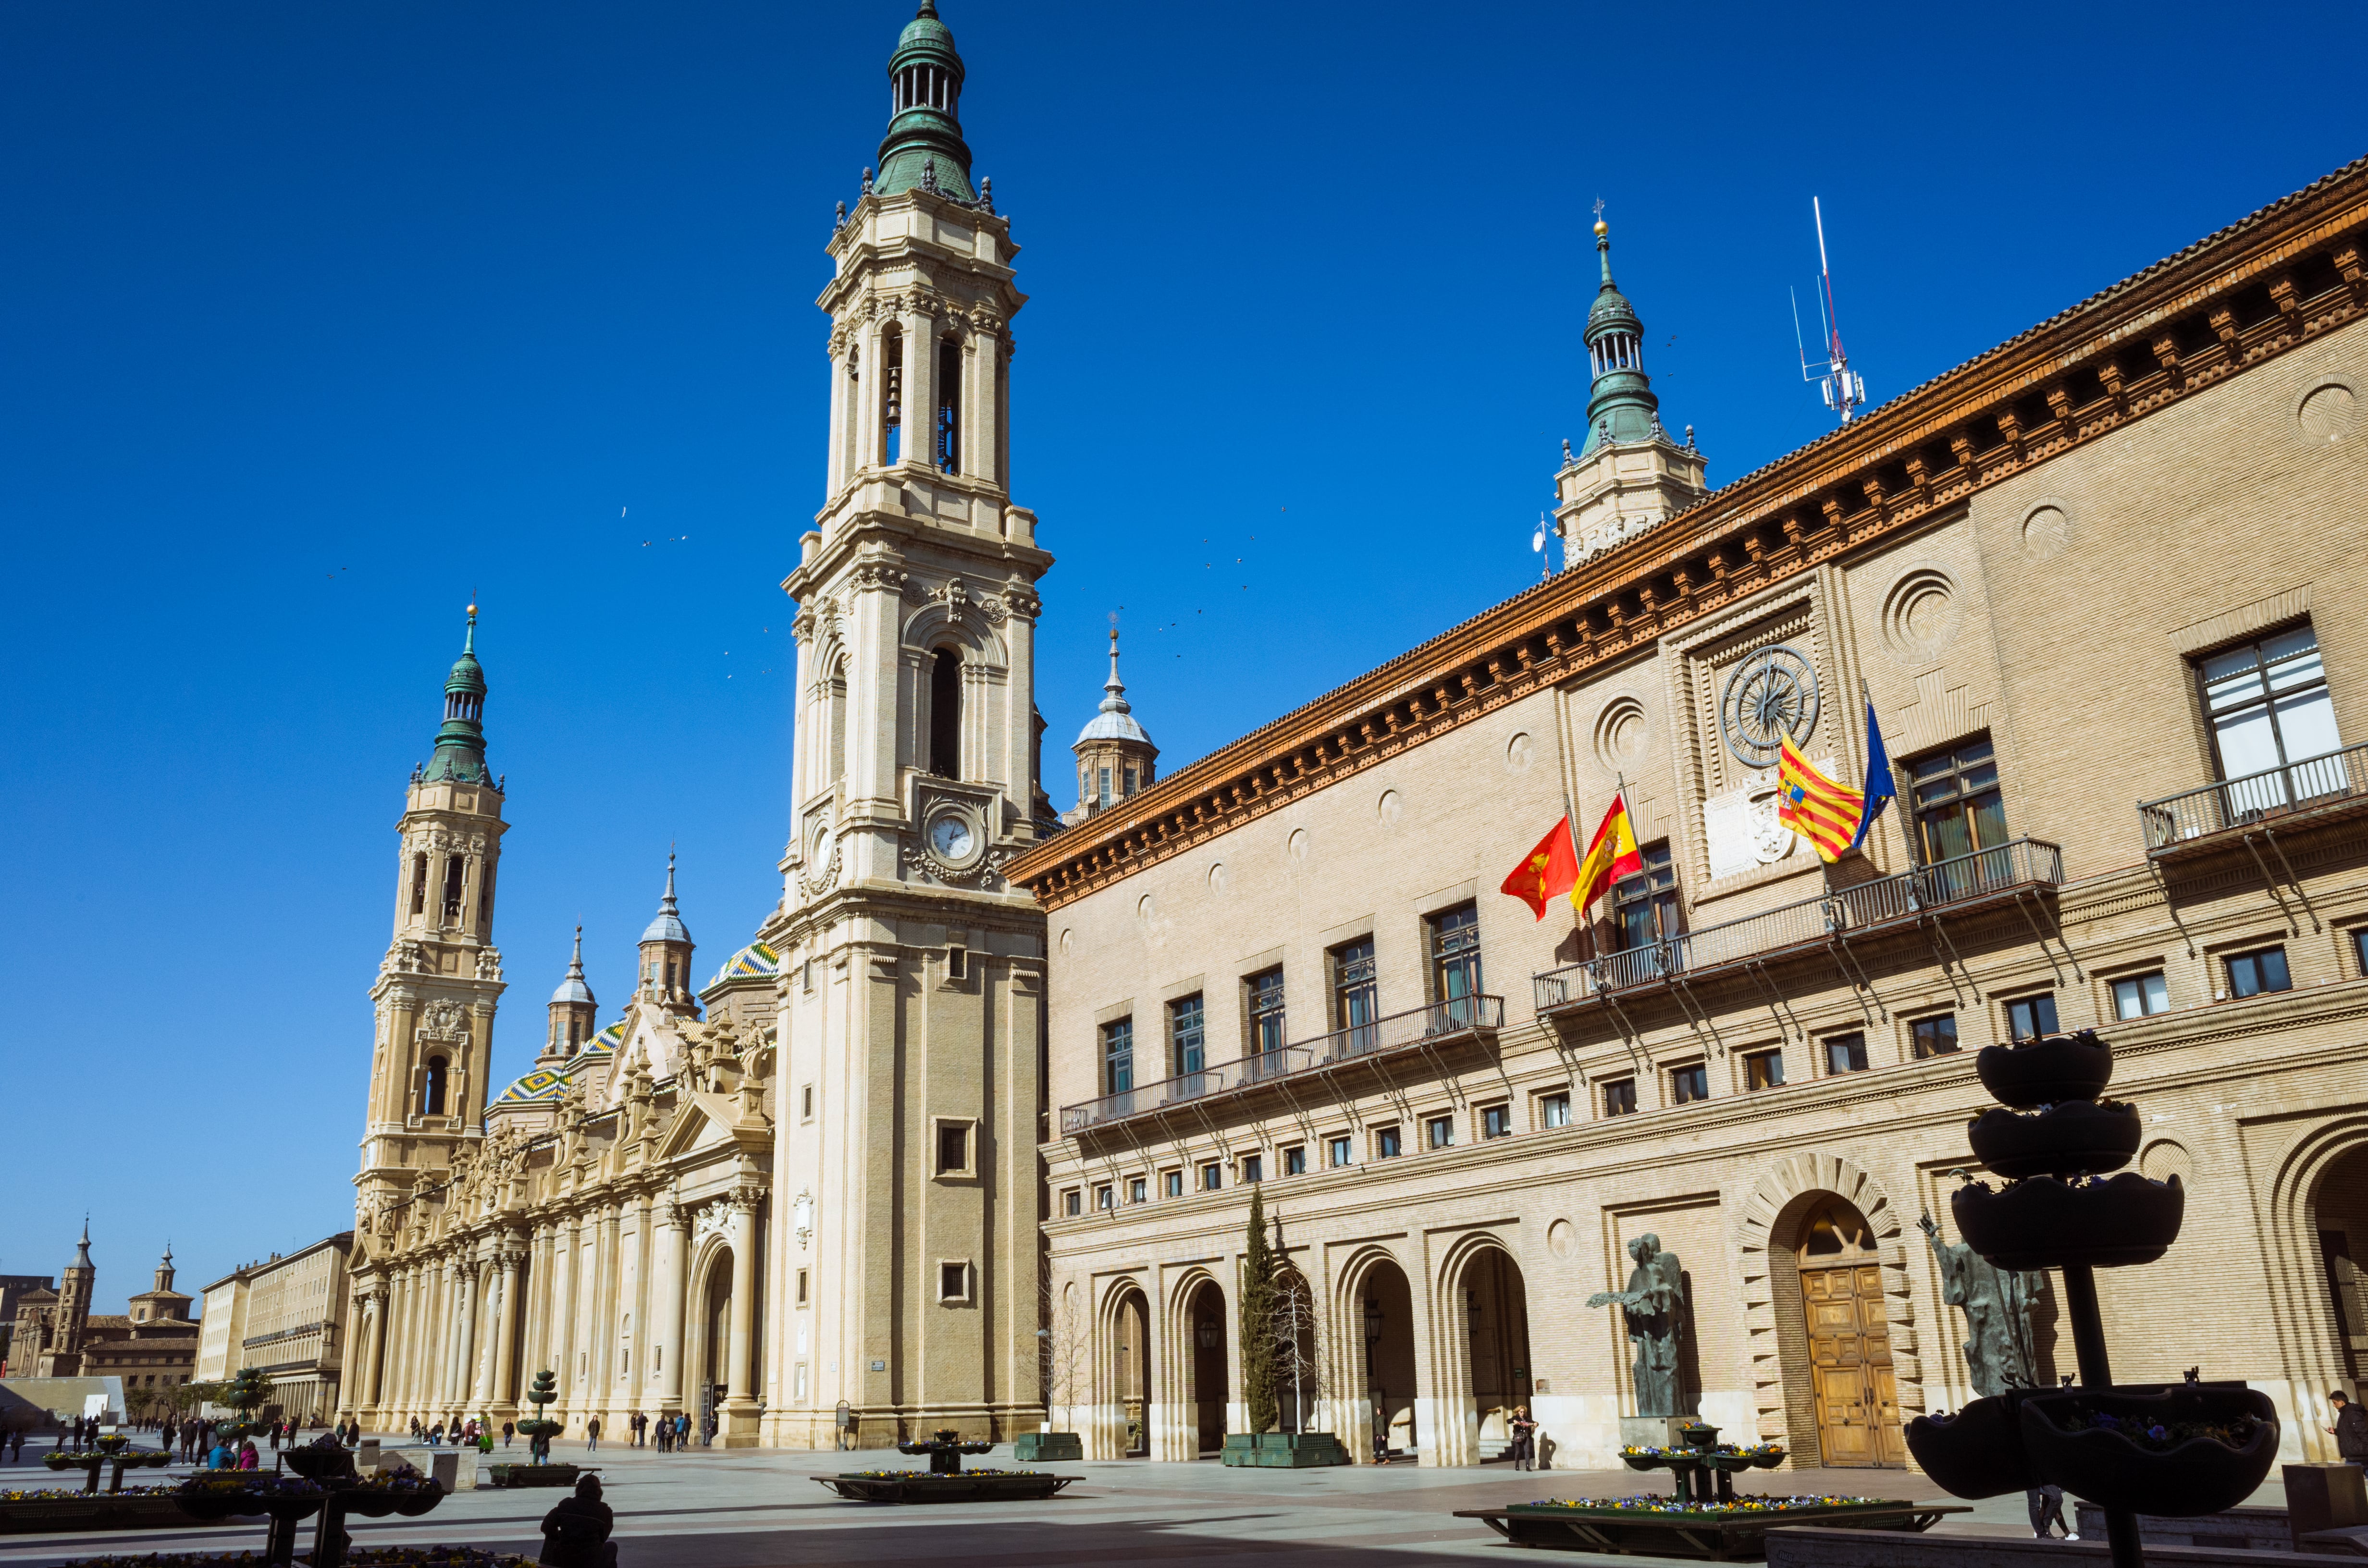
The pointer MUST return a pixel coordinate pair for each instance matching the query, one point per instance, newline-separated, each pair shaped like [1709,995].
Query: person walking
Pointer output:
[2046,1507]
[592,1434]
[1525,1439]
[2350,1429]
[508,1429]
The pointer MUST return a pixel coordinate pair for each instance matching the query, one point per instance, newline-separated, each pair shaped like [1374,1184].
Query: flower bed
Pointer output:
[366,1556]
[532,1474]
[921,1486]
[62,1508]
[1734,1530]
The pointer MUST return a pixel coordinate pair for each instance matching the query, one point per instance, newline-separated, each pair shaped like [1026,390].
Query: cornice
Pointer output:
[2287,274]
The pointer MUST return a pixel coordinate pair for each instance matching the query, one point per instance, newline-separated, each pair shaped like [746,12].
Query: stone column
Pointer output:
[465,1380]
[503,1398]
[562,1346]
[633,1327]
[739,1415]
[369,1390]
[672,1287]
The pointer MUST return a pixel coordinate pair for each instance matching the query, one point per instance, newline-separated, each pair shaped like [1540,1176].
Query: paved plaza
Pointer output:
[752,1509]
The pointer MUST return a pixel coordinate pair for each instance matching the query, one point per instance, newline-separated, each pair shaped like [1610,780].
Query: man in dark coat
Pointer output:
[2350,1429]
[576,1533]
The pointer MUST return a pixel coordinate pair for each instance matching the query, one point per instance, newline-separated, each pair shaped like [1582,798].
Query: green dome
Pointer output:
[460,743]
[924,146]
[1621,408]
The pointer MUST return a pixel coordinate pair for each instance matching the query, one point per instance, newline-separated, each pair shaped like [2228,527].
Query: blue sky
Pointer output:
[316,320]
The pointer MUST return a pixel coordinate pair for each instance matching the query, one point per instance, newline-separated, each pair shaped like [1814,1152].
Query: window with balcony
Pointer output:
[1846,1053]
[1073,1202]
[1118,1056]
[1620,1097]
[1295,1160]
[1496,1121]
[2268,708]
[1958,807]
[1764,1070]
[1353,992]
[1213,1176]
[2141,996]
[1439,1131]
[1387,1143]
[1339,1151]
[1644,906]
[1188,1035]
[1934,1036]
[1554,1110]
[1253,1167]
[1172,1182]
[1688,1084]
[2249,974]
[2028,1017]
[1263,992]
[1138,1189]
[1455,960]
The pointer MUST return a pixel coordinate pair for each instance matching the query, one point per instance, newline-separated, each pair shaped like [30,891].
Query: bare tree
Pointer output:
[1295,1329]
[1063,1346]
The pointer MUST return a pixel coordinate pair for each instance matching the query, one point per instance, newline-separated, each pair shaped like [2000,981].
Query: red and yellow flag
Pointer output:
[1826,813]
[1611,856]
[1547,872]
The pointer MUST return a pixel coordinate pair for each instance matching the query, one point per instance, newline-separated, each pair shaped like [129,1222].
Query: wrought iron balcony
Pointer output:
[2003,871]
[2299,793]
[1437,1024]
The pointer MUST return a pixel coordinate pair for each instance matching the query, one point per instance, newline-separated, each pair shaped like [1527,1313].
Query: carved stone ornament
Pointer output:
[489,964]
[444,1020]
[825,877]
[875,574]
[1769,695]
[986,870]
[713,1220]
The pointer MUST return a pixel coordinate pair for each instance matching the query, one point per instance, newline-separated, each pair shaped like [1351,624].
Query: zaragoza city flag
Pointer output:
[1547,872]
[1611,856]
[1833,816]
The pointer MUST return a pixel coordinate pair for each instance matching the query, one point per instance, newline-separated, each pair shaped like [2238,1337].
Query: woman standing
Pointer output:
[1525,1439]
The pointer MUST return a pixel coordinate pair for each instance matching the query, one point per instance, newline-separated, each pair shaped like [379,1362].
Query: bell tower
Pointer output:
[903,1253]
[438,985]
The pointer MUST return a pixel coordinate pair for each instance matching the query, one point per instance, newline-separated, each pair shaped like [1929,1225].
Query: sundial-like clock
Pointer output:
[950,835]
[1771,694]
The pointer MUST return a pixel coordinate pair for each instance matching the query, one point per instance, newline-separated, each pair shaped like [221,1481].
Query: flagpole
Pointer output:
[1906,826]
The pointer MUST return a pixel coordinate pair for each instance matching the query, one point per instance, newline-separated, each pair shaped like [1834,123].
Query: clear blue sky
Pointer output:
[313,319]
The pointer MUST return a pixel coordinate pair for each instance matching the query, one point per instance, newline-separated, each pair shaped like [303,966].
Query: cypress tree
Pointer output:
[1258,1378]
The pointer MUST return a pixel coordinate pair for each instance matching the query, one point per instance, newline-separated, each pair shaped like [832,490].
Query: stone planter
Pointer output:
[2083,1135]
[95,1511]
[1736,1534]
[2065,1437]
[2043,1221]
[967,1486]
[532,1474]
[2044,1070]
[1978,1452]
[1048,1447]
[1282,1450]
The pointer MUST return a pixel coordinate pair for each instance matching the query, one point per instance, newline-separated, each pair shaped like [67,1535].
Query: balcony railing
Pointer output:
[2311,785]
[1395,1032]
[2023,862]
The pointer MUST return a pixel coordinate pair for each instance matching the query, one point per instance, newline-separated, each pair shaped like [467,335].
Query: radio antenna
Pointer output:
[1844,389]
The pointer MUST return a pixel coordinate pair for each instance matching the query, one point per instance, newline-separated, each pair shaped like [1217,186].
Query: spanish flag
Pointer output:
[1546,872]
[1611,856]
[1828,814]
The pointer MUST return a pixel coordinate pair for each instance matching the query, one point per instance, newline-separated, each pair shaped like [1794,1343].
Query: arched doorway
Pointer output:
[1204,1322]
[1846,1327]
[2338,1212]
[715,1336]
[1497,1343]
[1385,1317]
[1130,1371]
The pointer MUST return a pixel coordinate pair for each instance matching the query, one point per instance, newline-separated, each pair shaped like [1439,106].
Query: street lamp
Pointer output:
[1372,1386]
[1208,1333]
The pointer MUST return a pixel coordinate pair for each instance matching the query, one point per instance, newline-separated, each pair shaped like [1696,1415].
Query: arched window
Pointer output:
[456,872]
[419,884]
[432,1100]
[892,397]
[834,695]
[945,713]
[669,984]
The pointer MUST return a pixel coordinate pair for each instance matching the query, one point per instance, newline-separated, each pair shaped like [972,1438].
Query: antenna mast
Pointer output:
[1844,389]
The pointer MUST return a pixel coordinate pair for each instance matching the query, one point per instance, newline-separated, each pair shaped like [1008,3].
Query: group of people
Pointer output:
[668,1434]
[462,1431]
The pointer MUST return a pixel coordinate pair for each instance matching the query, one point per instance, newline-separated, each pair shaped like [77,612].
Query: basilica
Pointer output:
[966,1132]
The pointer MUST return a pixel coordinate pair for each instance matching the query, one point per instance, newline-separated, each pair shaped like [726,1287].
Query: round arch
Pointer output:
[931,628]
[1196,1373]
[2303,1306]
[1121,1374]
[712,1276]
[1770,1214]
[1386,1371]
[1481,1359]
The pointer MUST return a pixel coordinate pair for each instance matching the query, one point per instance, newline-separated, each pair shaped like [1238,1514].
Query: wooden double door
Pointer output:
[1850,1351]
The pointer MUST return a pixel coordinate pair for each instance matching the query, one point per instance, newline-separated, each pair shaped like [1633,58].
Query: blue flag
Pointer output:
[1880,790]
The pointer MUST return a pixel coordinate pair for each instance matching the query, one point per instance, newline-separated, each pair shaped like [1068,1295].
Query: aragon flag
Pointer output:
[1547,872]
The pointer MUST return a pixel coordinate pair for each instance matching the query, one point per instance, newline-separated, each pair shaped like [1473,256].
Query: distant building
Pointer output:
[53,1332]
[13,1288]
[284,1317]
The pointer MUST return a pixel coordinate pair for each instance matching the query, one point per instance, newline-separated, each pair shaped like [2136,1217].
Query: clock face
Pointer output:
[951,838]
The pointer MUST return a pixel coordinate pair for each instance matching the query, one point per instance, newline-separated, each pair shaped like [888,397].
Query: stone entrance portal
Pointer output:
[1850,1340]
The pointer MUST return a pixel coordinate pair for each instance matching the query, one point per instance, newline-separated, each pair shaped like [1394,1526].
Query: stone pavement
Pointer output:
[754,1508]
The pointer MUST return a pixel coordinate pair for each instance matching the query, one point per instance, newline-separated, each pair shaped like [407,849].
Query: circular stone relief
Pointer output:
[2044,532]
[2165,1158]
[1620,731]
[1298,844]
[1217,877]
[1068,940]
[1519,753]
[2328,412]
[1389,807]
[1143,909]
[1920,614]
[1562,1238]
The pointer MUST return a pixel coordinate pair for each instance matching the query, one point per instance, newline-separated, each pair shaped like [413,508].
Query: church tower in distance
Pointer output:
[903,1232]
[441,976]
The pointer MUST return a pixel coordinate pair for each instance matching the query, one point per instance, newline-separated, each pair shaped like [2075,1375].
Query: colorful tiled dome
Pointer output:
[757,960]
[542,1085]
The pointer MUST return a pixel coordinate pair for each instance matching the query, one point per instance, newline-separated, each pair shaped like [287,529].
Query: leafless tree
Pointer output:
[1297,1328]
[1063,1346]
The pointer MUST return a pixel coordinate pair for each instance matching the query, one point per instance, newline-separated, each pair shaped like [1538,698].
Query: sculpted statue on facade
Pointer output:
[1653,1308]
[2001,1347]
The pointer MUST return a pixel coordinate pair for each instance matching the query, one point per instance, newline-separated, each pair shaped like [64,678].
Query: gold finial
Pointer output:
[1601,228]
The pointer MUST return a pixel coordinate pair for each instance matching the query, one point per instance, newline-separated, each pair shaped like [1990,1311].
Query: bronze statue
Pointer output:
[2001,1350]
[1654,1307]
